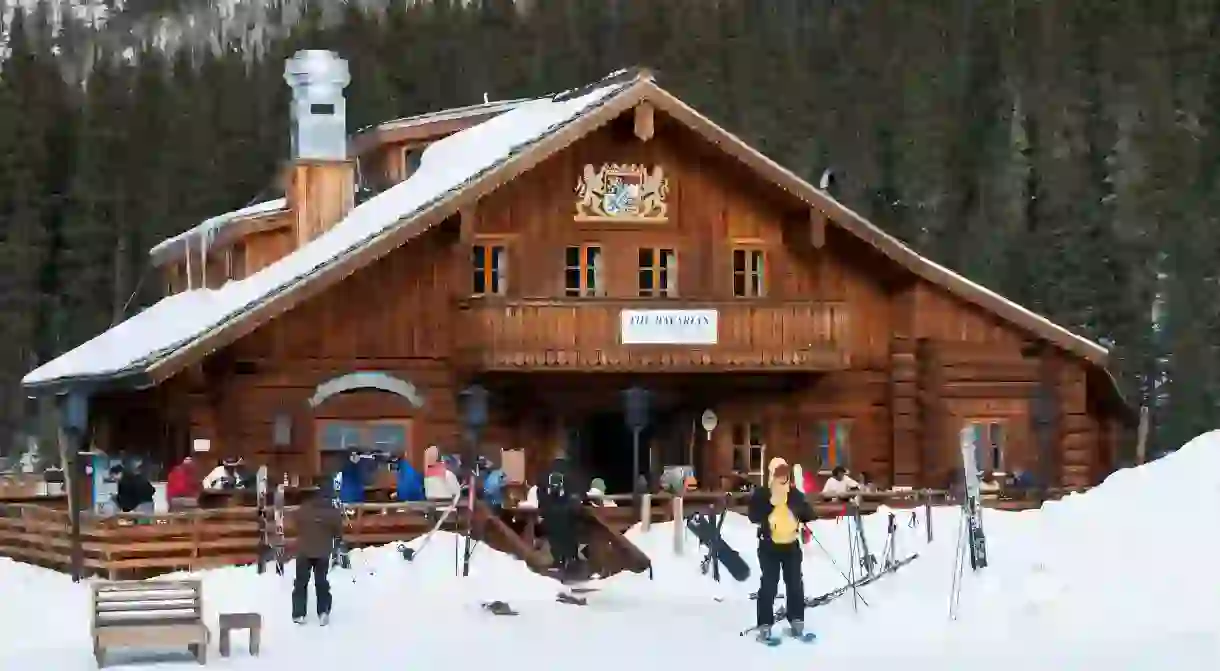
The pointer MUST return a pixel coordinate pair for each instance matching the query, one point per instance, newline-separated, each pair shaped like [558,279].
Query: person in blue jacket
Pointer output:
[352,478]
[493,483]
[410,482]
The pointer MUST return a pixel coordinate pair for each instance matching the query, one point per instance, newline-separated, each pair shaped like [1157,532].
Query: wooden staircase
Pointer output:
[608,551]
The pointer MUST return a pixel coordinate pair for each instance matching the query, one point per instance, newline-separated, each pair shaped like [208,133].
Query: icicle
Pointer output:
[189,276]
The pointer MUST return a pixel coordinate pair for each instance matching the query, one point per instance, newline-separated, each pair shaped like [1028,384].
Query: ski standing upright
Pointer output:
[277,514]
[972,543]
[264,531]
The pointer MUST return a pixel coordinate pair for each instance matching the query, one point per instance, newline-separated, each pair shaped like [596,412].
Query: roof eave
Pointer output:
[131,379]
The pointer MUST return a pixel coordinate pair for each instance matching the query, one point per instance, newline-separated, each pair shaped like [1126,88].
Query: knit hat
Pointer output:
[777,467]
[598,484]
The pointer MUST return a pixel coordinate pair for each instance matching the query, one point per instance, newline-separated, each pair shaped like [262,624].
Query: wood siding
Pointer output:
[839,337]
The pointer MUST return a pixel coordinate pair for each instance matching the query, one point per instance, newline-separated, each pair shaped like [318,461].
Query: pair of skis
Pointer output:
[270,535]
[822,600]
[771,640]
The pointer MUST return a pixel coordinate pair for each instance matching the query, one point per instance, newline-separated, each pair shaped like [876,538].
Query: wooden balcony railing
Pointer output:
[586,334]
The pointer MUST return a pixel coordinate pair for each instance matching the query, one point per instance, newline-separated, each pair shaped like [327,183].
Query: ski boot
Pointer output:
[763,635]
[796,629]
[299,620]
[324,619]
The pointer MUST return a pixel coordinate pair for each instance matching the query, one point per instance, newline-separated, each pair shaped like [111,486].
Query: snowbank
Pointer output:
[1112,579]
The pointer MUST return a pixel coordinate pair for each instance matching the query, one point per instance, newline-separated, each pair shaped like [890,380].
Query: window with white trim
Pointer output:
[749,450]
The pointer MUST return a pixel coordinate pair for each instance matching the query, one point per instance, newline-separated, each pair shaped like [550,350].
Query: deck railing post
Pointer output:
[645,512]
[679,530]
[927,513]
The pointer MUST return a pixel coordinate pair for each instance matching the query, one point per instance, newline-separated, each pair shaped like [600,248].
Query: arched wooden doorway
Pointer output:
[365,410]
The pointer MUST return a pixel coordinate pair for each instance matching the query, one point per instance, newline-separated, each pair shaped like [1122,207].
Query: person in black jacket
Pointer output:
[560,497]
[779,510]
[133,490]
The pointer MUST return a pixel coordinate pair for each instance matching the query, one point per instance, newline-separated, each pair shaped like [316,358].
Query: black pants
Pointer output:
[775,560]
[561,533]
[300,585]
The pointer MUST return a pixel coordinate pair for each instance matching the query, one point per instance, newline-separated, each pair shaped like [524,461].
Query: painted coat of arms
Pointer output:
[623,192]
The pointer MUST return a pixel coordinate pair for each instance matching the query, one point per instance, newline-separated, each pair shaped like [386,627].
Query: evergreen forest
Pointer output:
[1065,153]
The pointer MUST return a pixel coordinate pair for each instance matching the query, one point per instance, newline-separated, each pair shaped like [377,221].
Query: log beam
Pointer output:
[469,219]
[817,227]
[645,120]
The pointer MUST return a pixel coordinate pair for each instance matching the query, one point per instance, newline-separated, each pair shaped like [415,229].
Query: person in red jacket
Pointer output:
[182,486]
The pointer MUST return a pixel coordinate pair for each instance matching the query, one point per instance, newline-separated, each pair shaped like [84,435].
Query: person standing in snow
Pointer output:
[319,528]
[559,500]
[779,509]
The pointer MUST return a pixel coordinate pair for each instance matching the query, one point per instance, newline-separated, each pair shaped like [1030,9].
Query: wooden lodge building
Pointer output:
[558,251]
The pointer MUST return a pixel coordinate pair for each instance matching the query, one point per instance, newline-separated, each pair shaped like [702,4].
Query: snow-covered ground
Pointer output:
[1119,578]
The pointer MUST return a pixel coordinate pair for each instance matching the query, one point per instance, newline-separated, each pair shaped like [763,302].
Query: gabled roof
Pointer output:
[182,329]
[423,127]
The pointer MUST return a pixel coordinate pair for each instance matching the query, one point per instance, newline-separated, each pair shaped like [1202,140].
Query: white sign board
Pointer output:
[201,445]
[668,327]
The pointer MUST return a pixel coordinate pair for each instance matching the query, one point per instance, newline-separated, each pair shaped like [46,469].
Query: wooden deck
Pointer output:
[130,545]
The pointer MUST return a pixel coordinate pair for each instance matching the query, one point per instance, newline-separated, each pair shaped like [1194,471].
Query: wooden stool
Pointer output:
[251,622]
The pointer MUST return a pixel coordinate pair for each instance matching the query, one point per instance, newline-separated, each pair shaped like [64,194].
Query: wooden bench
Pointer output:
[149,614]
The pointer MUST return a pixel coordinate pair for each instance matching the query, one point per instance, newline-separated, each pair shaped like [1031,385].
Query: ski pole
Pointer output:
[835,564]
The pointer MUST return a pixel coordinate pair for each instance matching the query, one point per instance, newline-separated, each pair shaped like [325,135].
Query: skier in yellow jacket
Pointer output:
[779,509]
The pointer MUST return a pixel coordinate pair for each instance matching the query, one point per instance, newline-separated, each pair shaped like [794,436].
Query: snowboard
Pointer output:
[704,529]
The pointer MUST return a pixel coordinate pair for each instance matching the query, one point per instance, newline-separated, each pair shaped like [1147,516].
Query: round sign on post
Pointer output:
[709,421]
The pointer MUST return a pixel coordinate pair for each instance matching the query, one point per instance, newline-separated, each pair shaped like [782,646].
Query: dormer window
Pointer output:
[411,157]
[326,109]
[236,261]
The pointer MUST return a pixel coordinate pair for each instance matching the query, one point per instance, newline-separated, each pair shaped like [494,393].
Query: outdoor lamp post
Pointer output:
[636,401]
[73,424]
[474,416]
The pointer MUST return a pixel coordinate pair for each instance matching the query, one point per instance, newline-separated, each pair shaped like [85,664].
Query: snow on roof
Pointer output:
[449,114]
[179,320]
[210,227]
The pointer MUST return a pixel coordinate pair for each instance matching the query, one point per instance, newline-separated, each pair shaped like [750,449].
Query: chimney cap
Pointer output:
[316,66]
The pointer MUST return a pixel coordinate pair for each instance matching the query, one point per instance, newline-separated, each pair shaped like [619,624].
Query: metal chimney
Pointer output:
[319,111]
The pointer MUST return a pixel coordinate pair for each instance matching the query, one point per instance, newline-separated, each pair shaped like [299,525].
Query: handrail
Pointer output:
[130,543]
